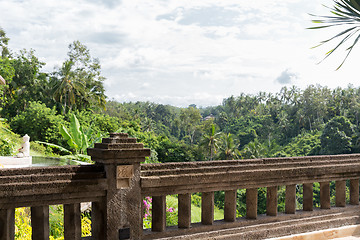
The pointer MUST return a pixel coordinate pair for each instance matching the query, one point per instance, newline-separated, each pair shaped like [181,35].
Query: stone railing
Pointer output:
[159,180]
[112,185]
[40,187]
[117,184]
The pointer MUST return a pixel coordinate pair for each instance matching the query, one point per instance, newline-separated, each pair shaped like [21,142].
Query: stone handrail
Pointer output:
[117,184]
[40,187]
[159,180]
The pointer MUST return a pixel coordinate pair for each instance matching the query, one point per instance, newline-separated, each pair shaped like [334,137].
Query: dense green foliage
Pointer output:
[66,108]
[39,122]
[292,122]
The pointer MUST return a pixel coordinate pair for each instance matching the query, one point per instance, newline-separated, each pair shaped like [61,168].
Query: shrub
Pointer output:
[39,122]
[7,148]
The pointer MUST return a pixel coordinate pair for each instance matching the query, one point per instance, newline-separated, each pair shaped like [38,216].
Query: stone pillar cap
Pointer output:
[118,149]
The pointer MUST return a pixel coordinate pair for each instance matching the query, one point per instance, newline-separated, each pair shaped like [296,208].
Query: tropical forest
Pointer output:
[66,110]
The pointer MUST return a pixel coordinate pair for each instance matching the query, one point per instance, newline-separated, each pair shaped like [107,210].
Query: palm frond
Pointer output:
[345,13]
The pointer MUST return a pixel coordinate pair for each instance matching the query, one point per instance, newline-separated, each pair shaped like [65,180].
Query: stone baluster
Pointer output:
[7,224]
[308,196]
[290,199]
[207,208]
[40,222]
[98,221]
[158,213]
[184,210]
[271,201]
[354,191]
[251,203]
[340,197]
[121,210]
[325,195]
[72,221]
[230,206]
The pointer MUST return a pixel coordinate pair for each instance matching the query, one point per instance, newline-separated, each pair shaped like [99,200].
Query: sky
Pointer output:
[184,52]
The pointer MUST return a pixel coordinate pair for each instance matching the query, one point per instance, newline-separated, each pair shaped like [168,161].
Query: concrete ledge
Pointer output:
[353,230]
[10,162]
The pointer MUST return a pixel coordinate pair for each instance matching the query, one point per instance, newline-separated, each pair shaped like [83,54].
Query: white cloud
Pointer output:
[180,52]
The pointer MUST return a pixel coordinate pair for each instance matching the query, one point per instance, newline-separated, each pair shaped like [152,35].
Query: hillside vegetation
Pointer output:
[291,122]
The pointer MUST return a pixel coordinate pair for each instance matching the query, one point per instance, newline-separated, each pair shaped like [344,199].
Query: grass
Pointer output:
[16,140]
[172,201]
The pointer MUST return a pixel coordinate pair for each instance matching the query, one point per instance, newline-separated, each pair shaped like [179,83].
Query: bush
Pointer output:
[98,122]
[7,148]
[39,122]
[337,136]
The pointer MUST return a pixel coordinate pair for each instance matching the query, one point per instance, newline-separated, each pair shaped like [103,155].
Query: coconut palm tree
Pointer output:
[345,13]
[67,88]
[229,147]
[210,140]
[254,149]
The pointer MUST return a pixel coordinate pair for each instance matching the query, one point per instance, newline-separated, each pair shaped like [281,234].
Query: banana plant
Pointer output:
[78,139]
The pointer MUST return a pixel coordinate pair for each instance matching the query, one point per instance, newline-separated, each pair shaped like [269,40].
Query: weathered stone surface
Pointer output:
[340,188]
[230,206]
[290,199]
[308,196]
[264,227]
[271,201]
[119,145]
[102,155]
[325,195]
[251,203]
[207,208]
[122,208]
[117,183]
[158,180]
[158,214]
[72,221]
[7,224]
[354,191]
[40,222]
[184,206]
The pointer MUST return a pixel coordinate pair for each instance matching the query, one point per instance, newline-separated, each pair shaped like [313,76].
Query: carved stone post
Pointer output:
[251,203]
[207,208]
[184,203]
[271,201]
[158,213]
[72,221]
[7,224]
[340,191]
[308,196]
[40,222]
[325,195]
[354,191]
[290,199]
[230,206]
[121,210]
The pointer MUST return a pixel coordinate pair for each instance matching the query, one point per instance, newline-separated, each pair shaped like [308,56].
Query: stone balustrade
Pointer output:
[118,182]
[184,179]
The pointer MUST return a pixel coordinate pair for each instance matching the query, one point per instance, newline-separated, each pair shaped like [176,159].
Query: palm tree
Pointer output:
[345,13]
[210,140]
[254,149]
[68,88]
[230,149]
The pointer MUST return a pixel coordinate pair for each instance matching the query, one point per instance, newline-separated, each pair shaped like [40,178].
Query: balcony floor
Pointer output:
[343,233]
[348,238]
